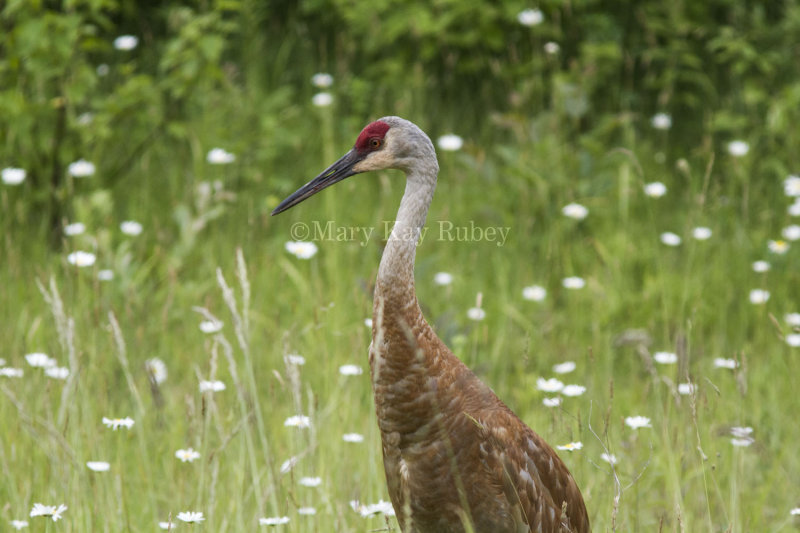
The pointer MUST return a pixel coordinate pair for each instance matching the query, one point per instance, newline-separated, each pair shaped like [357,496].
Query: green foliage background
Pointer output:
[541,130]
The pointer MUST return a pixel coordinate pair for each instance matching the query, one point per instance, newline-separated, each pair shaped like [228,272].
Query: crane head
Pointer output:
[390,142]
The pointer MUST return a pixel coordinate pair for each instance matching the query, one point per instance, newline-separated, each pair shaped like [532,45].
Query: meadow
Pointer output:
[629,289]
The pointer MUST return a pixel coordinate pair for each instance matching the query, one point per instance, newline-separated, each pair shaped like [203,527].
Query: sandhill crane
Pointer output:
[456,458]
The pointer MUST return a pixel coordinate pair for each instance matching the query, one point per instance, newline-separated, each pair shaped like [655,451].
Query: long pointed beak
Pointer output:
[335,173]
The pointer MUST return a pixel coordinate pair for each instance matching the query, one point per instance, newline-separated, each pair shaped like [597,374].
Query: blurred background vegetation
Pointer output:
[590,72]
[557,101]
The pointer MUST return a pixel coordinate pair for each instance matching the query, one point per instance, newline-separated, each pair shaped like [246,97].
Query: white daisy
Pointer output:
[310,481]
[655,189]
[12,176]
[610,458]
[301,249]
[298,421]
[759,296]
[76,228]
[295,359]
[686,388]
[791,186]
[795,511]
[443,278]
[322,80]
[476,313]
[211,386]
[351,370]
[192,517]
[636,422]
[220,156]
[156,369]
[273,521]
[564,368]
[738,148]
[81,259]
[761,266]
[370,509]
[573,282]
[794,209]
[353,437]
[778,247]
[573,390]
[85,119]
[130,227]
[289,464]
[52,511]
[552,402]
[450,142]
[98,466]
[57,372]
[670,239]
[741,431]
[10,372]
[534,293]
[551,47]
[40,360]
[549,385]
[793,319]
[81,169]
[701,233]
[323,99]
[19,524]
[211,326]
[530,17]
[368,322]
[126,42]
[188,455]
[792,339]
[116,423]
[661,121]
[721,362]
[665,358]
[576,211]
[571,446]
[306,511]
[791,233]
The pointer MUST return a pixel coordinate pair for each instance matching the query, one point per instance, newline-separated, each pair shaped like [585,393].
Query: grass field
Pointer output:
[209,255]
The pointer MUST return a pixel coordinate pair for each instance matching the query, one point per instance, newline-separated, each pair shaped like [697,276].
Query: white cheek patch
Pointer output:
[374,161]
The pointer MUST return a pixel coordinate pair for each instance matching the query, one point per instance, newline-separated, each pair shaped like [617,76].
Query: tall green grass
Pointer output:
[682,474]
[541,130]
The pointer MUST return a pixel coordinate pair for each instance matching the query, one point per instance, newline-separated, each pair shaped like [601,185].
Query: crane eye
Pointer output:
[375,143]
